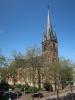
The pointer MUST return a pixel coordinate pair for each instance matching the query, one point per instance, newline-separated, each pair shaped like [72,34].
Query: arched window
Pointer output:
[53,44]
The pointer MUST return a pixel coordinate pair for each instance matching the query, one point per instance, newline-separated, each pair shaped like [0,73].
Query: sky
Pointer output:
[22,23]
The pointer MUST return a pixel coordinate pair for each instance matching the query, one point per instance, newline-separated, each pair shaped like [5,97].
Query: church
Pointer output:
[50,43]
[50,52]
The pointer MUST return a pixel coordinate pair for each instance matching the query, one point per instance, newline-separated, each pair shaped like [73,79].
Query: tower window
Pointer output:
[53,44]
[44,46]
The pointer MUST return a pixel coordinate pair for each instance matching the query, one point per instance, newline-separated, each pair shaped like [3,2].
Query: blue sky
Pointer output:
[22,23]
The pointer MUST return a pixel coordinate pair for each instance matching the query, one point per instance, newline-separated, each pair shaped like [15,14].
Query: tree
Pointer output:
[16,66]
[53,74]
[2,61]
[66,72]
[12,72]
[59,73]
[3,73]
[35,59]
[48,86]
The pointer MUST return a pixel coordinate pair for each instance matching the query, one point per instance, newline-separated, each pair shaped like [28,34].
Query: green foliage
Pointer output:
[47,86]
[66,73]
[18,85]
[28,89]
[32,65]
[2,61]
[23,87]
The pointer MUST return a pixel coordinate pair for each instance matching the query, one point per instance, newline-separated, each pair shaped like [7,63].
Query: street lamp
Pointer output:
[9,94]
[17,95]
[24,90]
[0,78]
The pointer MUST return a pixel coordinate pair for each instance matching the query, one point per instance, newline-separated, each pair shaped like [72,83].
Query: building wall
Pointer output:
[50,51]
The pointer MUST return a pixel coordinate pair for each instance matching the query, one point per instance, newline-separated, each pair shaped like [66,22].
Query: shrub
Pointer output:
[18,86]
[30,89]
[4,86]
[12,87]
[48,86]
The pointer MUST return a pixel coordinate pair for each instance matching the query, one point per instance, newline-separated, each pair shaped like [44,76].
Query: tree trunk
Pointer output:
[55,86]
[39,79]
[33,79]
[14,81]
[57,94]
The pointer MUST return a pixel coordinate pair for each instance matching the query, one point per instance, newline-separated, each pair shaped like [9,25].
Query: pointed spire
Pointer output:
[49,26]
[55,37]
[44,37]
[49,34]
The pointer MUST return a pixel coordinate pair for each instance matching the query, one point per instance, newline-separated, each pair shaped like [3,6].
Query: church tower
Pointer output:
[50,43]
